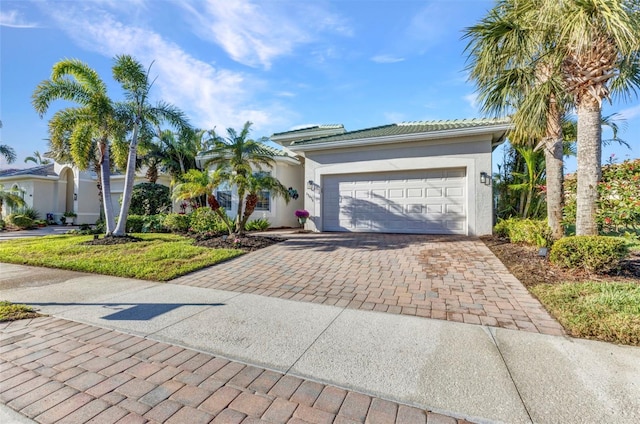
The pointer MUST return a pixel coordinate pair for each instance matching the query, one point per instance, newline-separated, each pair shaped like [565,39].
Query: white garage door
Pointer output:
[423,202]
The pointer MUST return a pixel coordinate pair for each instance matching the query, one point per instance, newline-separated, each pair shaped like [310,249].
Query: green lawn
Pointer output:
[159,257]
[595,310]
[11,312]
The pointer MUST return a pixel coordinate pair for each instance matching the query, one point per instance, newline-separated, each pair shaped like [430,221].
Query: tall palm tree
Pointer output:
[37,159]
[259,182]
[84,131]
[514,75]
[236,157]
[140,117]
[599,41]
[7,151]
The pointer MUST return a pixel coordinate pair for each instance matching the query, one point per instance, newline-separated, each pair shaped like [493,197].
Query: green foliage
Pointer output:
[135,223]
[158,257]
[204,220]
[153,223]
[20,221]
[3,224]
[11,312]
[519,184]
[177,222]
[150,199]
[529,231]
[619,198]
[28,212]
[590,253]
[257,224]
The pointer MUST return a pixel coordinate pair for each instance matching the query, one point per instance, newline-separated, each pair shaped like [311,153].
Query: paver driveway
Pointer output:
[443,277]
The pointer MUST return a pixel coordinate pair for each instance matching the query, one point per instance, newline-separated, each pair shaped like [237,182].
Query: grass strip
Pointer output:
[13,312]
[602,311]
[159,257]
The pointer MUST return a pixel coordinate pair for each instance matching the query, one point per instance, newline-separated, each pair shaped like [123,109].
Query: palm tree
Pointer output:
[598,41]
[140,117]
[196,184]
[37,159]
[7,151]
[10,198]
[259,182]
[236,157]
[83,132]
[514,75]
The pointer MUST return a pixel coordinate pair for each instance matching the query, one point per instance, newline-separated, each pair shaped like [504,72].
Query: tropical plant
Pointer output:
[196,184]
[11,198]
[7,151]
[37,158]
[81,134]
[140,118]
[150,199]
[237,158]
[514,75]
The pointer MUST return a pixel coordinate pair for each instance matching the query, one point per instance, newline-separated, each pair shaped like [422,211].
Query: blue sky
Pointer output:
[280,64]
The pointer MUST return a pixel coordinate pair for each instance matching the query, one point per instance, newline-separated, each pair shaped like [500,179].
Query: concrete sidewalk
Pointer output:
[483,374]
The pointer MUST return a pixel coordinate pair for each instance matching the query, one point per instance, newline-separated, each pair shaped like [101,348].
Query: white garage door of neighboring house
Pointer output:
[423,202]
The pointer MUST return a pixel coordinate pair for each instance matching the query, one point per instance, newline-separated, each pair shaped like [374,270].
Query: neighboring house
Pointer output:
[412,177]
[289,171]
[58,188]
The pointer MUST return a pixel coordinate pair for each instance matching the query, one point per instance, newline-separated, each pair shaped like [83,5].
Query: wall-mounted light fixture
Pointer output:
[484,178]
[75,196]
[310,185]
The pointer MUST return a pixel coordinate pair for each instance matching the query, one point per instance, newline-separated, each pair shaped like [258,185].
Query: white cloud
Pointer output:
[385,58]
[256,33]
[472,100]
[630,113]
[13,19]
[210,96]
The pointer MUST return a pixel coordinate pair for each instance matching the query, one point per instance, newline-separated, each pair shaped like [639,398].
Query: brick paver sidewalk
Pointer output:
[59,371]
[442,277]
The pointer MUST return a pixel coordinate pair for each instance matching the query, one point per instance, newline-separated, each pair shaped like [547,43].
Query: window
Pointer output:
[223,194]
[224,198]
[264,201]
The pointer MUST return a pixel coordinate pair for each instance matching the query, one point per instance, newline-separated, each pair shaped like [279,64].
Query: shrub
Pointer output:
[150,199]
[590,253]
[21,221]
[529,231]
[154,223]
[204,220]
[260,224]
[28,212]
[177,222]
[2,224]
[134,223]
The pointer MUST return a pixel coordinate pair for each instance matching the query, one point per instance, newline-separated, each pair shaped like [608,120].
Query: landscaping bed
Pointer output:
[247,243]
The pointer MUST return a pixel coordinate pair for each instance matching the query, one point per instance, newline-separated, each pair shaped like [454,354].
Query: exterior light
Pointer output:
[75,196]
[484,178]
[310,185]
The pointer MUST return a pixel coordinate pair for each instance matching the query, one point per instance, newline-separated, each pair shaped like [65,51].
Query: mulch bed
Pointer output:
[109,240]
[246,243]
[525,264]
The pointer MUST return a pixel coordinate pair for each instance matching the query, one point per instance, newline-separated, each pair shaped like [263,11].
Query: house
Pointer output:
[57,188]
[427,177]
[288,169]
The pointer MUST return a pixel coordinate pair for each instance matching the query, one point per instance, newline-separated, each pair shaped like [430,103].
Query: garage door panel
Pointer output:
[428,201]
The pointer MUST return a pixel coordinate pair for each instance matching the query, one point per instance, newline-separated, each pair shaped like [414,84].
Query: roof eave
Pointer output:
[498,130]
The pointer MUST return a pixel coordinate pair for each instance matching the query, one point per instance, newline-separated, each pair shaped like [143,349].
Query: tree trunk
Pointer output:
[121,228]
[589,165]
[105,177]
[554,171]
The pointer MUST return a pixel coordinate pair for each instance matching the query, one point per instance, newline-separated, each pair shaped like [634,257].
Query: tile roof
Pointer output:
[414,127]
[311,127]
[39,171]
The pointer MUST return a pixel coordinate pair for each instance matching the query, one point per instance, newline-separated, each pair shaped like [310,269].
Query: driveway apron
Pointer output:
[442,277]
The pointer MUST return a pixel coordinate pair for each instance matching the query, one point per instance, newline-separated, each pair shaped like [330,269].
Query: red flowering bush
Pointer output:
[619,202]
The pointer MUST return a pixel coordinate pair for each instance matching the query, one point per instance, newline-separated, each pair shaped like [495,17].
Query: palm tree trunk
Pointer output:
[589,166]
[105,177]
[129,178]
[554,171]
